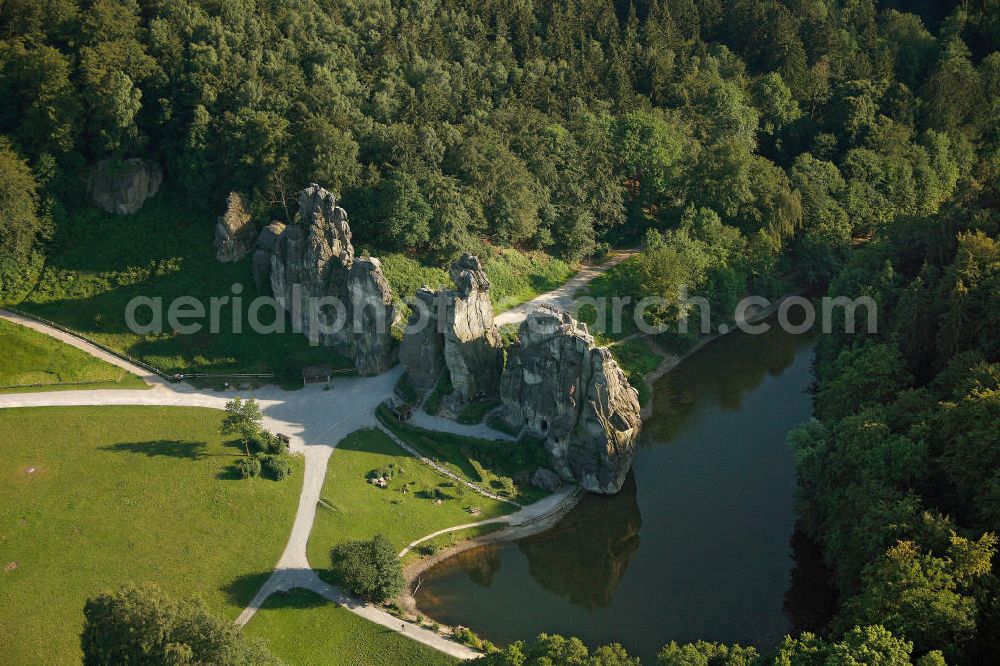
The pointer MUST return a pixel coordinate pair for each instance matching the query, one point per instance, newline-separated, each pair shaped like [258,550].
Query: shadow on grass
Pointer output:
[439,446]
[297,598]
[372,440]
[542,284]
[100,264]
[240,592]
[167,448]
[230,473]
[236,445]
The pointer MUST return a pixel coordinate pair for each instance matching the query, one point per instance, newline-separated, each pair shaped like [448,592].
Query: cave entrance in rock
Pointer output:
[545,425]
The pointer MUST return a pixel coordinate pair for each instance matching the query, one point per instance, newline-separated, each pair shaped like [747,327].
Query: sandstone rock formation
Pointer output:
[267,241]
[422,349]
[453,329]
[122,186]
[564,388]
[235,233]
[333,297]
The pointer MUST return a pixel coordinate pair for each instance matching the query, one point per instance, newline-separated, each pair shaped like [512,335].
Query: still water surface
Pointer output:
[696,546]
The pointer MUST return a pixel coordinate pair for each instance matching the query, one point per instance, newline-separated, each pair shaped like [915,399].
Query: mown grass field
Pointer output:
[303,629]
[33,361]
[92,497]
[352,508]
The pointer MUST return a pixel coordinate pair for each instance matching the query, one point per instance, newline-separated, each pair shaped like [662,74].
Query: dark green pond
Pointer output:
[696,546]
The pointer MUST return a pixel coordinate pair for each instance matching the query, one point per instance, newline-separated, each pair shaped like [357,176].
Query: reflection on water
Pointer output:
[718,378]
[610,530]
[695,546]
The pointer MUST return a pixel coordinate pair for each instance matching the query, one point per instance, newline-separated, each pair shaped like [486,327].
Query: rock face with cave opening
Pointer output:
[332,296]
[453,330]
[561,386]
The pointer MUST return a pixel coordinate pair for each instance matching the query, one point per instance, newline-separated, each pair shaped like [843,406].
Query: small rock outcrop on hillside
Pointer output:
[235,233]
[122,186]
[564,388]
[333,297]
[453,329]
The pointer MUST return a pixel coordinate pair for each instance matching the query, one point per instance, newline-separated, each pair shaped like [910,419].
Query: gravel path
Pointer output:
[422,419]
[562,297]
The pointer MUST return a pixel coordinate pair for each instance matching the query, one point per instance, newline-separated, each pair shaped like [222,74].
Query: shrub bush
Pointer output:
[468,637]
[277,467]
[249,468]
[269,443]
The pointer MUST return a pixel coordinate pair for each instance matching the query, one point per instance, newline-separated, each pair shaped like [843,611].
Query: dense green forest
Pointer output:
[559,125]
[748,145]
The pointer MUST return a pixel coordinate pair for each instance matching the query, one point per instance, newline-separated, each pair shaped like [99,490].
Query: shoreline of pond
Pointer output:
[413,572]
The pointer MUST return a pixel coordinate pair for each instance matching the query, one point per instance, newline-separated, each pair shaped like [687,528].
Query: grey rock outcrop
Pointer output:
[372,312]
[333,297]
[473,350]
[267,241]
[122,186]
[453,329]
[422,349]
[235,233]
[563,387]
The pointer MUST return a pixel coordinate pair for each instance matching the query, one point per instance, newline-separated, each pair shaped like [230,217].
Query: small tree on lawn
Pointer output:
[370,568]
[243,419]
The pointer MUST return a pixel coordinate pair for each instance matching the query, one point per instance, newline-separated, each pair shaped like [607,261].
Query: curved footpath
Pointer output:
[315,420]
[540,510]
[562,297]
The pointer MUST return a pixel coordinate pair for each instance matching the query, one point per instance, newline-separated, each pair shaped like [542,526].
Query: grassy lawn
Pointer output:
[475,412]
[352,508]
[303,629]
[481,461]
[92,497]
[100,262]
[35,361]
